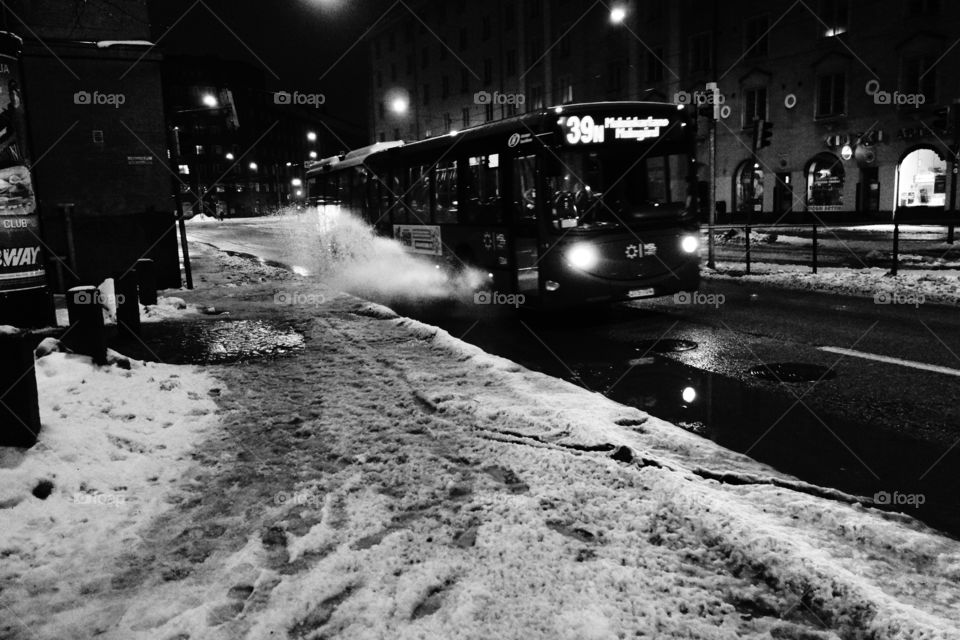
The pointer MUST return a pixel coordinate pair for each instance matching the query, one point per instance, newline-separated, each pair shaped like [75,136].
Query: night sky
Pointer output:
[296,42]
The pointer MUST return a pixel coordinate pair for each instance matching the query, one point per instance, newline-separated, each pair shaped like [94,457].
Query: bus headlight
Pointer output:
[690,244]
[583,256]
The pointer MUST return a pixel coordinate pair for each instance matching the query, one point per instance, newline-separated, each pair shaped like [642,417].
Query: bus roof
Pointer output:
[534,122]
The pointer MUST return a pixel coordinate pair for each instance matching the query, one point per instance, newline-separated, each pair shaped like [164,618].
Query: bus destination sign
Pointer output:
[587,130]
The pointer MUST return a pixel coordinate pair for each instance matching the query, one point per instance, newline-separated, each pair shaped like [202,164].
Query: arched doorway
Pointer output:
[748,188]
[921,179]
[825,178]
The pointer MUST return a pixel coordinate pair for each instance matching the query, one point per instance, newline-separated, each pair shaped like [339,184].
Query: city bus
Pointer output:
[569,205]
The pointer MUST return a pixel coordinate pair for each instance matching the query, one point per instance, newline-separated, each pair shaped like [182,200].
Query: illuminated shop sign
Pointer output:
[587,130]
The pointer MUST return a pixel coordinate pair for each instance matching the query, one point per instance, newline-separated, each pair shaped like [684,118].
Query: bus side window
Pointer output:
[524,197]
[482,191]
[446,195]
[419,195]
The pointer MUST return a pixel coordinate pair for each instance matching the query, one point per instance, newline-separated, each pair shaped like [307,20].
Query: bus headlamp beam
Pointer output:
[583,256]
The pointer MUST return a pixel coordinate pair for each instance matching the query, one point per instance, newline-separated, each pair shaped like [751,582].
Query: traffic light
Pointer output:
[762,132]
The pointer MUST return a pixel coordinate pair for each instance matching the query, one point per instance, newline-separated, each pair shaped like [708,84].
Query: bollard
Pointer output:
[814,248]
[86,334]
[19,402]
[147,281]
[747,231]
[128,303]
[896,248]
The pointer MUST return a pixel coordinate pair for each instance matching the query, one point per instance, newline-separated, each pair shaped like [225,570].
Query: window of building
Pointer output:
[825,177]
[563,45]
[426,94]
[701,52]
[379,77]
[488,112]
[408,31]
[534,52]
[534,8]
[464,81]
[425,57]
[393,72]
[754,105]
[655,65]
[381,109]
[409,63]
[509,17]
[535,99]
[443,51]
[487,71]
[564,85]
[755,36]
[376,48]
[463,39]
[655,10]
[615,69]
[486,28]
[447,122]
[834,17]
[200,150]
[391,42]
[445,87]
[511,62]
[831,94]
[382,137]
[920,77]
[465,115]
[396,134]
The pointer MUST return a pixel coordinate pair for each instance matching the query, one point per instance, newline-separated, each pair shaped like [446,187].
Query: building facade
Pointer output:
[859,94]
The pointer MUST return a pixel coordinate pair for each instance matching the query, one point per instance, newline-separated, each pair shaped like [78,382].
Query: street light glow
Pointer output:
[253,166]
[313,155]
[312,136]
[399,105]
[229,156]
[618,15]
[296,182]
[210,100]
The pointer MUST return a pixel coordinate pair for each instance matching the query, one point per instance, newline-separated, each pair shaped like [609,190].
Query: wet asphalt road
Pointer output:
[866,427]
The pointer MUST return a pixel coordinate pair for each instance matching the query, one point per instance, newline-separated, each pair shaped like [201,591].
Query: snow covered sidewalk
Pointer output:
[390,481]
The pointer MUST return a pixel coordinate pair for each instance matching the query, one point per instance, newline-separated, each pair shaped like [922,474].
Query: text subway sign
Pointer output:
[589,130]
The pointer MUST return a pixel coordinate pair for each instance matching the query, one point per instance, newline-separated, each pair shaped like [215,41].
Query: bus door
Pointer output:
[524,207]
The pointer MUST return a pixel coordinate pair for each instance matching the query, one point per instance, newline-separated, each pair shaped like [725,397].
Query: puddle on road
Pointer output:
[773,428]
[214,341]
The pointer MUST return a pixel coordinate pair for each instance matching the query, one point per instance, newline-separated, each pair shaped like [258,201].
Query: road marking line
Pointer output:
[889,360]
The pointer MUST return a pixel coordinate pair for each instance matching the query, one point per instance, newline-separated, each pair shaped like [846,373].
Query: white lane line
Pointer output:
[903,363]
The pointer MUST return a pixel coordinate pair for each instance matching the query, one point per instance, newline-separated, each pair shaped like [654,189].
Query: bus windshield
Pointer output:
[607,188]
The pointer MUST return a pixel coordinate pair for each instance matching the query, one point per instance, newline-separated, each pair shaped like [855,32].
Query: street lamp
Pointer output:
[253,166]
[313,155]
[210,100]
[618,15]
[297,182]
[229,156]
[312,136]
[399,105]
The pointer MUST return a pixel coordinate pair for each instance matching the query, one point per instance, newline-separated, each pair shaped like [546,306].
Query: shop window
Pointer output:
[446,204]
[922,179]
[755,41]
[748,187]
[831,94]
[482,190]
[825,177]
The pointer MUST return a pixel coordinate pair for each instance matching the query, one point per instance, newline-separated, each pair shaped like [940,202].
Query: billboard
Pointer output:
[21,254]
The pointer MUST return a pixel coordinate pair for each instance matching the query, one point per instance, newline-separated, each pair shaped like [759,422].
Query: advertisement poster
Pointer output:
[422,238]
[21,255]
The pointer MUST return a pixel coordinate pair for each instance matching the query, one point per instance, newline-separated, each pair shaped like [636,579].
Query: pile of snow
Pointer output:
[113,439]
[909,287]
